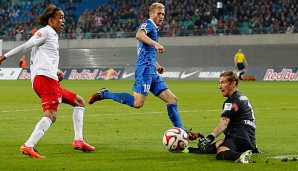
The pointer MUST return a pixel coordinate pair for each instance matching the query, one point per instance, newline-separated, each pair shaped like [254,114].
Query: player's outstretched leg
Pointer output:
[97,96]
[174,115]
[124,98]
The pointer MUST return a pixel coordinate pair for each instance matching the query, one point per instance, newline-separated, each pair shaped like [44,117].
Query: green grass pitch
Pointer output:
[131,139]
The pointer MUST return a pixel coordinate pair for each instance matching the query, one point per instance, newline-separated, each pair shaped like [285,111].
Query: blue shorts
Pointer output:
[147,80]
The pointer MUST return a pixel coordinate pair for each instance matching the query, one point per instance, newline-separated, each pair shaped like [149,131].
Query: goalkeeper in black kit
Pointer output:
[237,123]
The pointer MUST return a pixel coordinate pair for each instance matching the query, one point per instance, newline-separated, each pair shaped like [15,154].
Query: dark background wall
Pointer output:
[181,52]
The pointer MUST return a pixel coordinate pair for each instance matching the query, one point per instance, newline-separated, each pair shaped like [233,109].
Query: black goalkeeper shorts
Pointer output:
[237,144]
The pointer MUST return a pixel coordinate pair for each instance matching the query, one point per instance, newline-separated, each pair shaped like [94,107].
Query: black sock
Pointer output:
[240,75]
[228,155]
[210,150]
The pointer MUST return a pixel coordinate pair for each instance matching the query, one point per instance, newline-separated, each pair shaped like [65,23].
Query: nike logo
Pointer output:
[125,75]
[183,75]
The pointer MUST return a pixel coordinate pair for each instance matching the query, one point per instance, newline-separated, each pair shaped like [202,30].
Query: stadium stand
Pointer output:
[95,19]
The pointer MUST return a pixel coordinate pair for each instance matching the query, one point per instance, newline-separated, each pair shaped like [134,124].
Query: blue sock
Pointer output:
[174,115]
[124,98]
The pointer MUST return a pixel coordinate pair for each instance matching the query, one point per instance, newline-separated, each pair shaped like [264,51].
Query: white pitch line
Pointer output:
[113,114]
[284,156]
[102,114]
[206,110]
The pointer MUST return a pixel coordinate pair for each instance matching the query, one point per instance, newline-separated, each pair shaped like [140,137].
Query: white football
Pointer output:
[175,139]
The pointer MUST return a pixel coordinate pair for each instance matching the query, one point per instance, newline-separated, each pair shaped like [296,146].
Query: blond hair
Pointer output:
[156,5]
[232,76]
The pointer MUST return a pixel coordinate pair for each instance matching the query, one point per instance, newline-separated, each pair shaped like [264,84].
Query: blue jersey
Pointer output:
[147,53]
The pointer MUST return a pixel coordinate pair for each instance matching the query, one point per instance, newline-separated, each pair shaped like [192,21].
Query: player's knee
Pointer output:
[138,105]
[173,100]
[51,114]
[176,99]
[80,101]
[53,119]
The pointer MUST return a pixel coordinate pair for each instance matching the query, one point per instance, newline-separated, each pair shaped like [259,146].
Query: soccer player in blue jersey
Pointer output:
[146,77]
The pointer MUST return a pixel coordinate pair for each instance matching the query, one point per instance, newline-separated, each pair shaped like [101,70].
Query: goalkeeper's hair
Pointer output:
[49,12]
[231,75]
[156,5]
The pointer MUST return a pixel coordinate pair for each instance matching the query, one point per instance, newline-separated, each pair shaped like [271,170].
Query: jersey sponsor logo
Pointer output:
[235,107]
[126,75]
[184,75]
[39,34]
[143,25]
[228,106]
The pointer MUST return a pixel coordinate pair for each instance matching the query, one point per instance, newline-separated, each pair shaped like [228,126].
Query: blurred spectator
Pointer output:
[221,26]
[23,63]
[33,30]
[190,26]
[115,17]
[79,33]
[210,30]
[214,23]
[170,31]
[290,29]
[18,36]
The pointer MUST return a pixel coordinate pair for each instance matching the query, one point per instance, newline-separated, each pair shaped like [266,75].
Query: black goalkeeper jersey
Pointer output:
[242,119]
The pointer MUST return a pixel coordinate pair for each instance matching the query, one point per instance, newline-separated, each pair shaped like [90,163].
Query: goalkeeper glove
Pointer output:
[205,142]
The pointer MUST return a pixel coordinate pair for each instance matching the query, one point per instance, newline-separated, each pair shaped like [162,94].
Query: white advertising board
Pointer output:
[10,73]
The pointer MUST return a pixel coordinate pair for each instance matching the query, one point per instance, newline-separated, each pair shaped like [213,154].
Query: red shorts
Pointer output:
[51,93]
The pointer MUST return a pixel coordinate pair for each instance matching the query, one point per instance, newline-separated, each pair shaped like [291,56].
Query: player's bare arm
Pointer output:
[205,142]
[2,58]
[60,75]
[221,127]
[141,36]
[160,69]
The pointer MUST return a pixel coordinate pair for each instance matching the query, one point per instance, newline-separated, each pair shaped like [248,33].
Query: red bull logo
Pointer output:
[284,75]
[109,74]
[86,74]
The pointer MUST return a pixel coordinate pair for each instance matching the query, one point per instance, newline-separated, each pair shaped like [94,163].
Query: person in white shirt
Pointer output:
[45,77]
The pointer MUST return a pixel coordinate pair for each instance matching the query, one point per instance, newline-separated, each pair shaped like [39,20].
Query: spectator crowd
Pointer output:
[87,19]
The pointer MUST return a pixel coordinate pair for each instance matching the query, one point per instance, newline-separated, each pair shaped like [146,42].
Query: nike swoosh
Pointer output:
[125,75]
[183,75]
